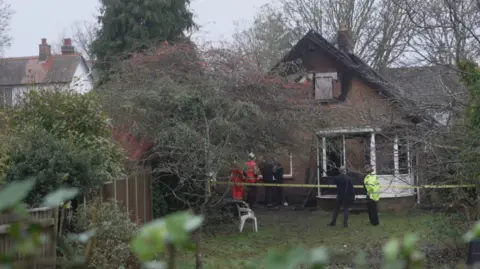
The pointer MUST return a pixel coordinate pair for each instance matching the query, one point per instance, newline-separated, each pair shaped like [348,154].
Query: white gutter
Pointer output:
[290,175]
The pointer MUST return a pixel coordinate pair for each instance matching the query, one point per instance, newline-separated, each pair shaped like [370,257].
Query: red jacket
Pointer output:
[251,172]
[237,175]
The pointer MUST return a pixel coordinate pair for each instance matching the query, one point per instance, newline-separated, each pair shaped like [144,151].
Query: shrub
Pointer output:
[61,138]
[55,162]
[113,231]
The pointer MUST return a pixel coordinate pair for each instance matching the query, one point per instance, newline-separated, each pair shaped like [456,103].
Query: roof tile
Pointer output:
[28,70]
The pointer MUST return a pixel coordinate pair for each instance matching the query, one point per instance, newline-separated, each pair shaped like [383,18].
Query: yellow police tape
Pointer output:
[213,182]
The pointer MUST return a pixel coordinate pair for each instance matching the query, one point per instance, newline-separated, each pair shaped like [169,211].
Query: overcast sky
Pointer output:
[52,19]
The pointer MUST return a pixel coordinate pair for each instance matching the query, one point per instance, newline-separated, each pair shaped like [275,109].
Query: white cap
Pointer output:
[251,155]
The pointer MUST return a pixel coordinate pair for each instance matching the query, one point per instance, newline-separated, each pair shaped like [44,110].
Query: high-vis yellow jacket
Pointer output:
[373,186]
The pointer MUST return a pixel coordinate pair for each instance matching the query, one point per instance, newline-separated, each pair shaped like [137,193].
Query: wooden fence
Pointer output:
[48,220]
[133,194]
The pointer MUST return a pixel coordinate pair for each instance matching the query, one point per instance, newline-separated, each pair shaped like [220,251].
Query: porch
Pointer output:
[389,152]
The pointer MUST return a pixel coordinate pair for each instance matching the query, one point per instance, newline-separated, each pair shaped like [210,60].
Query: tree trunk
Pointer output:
[172,255]
[198,253]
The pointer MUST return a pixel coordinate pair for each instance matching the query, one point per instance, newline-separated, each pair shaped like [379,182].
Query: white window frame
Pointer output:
[330,78]
[3,100]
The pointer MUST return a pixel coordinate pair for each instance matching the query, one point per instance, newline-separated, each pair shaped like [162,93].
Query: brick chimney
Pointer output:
[67,47]
[344,39]
[44,50]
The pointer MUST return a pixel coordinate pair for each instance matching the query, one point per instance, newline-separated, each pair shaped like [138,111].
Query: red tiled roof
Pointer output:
[28,70]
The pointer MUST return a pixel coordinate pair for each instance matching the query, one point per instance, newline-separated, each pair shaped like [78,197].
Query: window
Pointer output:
[323,85]
[403,164]
[384,154]
[6,97]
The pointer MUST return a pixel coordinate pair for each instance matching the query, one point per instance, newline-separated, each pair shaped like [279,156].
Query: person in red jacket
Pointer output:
[251,173]
[237,177]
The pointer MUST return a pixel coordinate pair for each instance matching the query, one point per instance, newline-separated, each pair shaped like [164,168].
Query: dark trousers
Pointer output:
[372,212]
[251,195]
[278,195]
[346,203]
[269,194]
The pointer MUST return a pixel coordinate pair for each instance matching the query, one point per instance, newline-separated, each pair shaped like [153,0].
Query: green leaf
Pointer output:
[59,196]
[319,256]
[20,210]
[473,233]
[154,265]
[360,260]
[83,237]
[290,260]
[409,243]
[391,250]
[144,248]
[174,228]
[14,193]
[193,223]
[149,240]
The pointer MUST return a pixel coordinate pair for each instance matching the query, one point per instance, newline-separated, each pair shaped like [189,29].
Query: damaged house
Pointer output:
[369,118]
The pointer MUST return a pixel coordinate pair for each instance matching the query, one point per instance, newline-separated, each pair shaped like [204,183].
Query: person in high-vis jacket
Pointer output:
[237,180]
[372,187]
[251,173]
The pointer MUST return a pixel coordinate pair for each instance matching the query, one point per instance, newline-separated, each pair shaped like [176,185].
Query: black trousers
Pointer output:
[269,194]
[251,195]
[339,202]
[274,195]
[278,195]
[373,212]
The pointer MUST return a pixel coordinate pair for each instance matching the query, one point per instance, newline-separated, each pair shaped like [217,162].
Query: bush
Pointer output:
[61,138]
[113,231]
[55,162]
[446,231]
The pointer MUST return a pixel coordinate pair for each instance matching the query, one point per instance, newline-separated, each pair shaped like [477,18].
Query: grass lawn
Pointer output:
[280,230]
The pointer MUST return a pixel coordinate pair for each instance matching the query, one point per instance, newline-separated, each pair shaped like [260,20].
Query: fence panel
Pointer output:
[133,194]
[48,219]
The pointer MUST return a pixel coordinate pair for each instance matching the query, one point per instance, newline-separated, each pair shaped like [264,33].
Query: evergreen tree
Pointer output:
[133,25]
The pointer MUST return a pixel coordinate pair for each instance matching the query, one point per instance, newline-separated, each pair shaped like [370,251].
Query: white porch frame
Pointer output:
[337,132]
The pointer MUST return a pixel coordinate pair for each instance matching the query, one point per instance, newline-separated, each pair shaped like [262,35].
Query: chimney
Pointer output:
[67,47]
[344,39]
[45,50]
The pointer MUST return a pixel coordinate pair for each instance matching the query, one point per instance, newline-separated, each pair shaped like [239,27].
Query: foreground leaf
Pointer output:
[59,196]
[14,193]
[175,228]
[292,259]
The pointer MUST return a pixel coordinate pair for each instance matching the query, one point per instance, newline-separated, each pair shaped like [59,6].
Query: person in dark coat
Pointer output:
[278,179]
[345,196]
[266,169]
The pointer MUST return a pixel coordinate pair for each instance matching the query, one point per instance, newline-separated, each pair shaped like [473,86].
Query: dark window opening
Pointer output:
[384,154]
[403,164]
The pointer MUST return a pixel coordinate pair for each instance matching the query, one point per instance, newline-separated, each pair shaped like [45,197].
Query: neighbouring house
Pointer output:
[369,118]
[68,70]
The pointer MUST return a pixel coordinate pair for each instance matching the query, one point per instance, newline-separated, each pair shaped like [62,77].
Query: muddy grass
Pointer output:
[280,230]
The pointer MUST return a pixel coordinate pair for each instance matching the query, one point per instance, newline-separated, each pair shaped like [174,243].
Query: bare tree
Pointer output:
[83,33]
[446,30]
[203,108]
[380,32]
[267,40]
[6,13]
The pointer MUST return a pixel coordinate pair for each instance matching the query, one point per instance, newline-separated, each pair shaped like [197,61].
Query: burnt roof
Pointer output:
[434,88]
[28,70]
[349,60]
[407,87]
